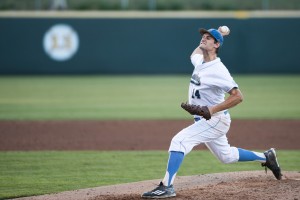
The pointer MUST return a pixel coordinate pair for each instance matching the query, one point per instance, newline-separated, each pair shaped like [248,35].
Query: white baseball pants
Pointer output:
[212,133]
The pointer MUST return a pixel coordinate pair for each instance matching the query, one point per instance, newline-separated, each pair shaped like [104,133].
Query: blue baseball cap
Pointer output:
[214,33]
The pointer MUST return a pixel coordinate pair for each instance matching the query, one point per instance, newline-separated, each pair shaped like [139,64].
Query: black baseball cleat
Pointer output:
[272,163]
[160,192]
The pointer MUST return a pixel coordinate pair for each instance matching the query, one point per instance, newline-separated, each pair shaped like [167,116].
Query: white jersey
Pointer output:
[210,81]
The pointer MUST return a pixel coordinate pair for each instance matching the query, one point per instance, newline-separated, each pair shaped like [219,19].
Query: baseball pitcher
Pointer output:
[206,102]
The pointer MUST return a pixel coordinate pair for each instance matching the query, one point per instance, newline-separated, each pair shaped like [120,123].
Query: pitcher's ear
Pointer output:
[217,45]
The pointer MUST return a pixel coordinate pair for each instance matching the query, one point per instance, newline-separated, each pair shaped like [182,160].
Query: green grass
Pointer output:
[269,97]
[34,173]
[127,98]
[136,97]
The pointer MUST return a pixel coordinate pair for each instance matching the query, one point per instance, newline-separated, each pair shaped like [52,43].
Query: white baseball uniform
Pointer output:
[209,83]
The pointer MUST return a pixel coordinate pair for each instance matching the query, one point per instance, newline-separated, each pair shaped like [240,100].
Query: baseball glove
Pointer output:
[197,110]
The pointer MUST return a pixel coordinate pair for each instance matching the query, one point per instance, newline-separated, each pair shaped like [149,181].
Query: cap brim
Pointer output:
[203,31]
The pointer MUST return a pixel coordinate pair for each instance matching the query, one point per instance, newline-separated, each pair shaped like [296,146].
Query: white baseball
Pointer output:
[225,29]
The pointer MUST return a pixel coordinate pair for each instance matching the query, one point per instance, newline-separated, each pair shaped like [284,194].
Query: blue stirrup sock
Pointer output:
[245,155]
[175,160]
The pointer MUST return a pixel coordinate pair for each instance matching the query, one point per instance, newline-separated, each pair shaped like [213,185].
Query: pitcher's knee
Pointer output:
[226,159]
[179,145]
[229,157]
[175,145]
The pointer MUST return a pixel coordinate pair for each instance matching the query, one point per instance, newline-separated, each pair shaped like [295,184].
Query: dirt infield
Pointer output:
[137,135]
[142,135]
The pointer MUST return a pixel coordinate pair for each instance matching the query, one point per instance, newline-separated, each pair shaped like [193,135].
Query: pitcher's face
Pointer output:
[208,42]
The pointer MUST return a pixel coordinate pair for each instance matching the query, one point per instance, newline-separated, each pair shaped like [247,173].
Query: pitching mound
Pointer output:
[233,185]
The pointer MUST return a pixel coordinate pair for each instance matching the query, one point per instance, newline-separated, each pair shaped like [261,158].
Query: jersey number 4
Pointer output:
[196,94]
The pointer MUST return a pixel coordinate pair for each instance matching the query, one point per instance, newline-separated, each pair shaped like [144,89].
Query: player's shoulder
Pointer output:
[218,66]
[222,70]
[221,65]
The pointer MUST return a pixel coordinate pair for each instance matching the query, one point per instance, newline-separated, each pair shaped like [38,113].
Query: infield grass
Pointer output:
[34,173]
[136,97]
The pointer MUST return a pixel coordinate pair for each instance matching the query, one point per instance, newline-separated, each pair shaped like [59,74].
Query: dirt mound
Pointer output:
[233,185]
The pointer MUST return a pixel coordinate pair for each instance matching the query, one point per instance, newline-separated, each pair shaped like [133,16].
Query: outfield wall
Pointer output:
[143,43]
